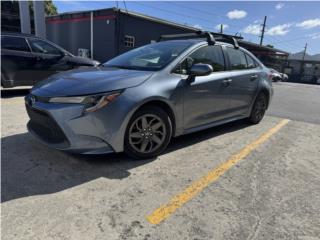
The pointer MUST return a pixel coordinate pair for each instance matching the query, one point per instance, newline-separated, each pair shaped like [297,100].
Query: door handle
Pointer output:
[253,77]
[227,81]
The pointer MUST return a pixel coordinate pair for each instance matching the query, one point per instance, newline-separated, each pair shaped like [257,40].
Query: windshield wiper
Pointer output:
[121,67]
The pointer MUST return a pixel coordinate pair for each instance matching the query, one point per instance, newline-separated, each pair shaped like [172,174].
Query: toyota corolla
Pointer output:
[139,100]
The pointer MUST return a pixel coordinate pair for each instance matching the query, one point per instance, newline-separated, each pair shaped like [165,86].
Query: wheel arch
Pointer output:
[262,89]
[266,92]
[164,106]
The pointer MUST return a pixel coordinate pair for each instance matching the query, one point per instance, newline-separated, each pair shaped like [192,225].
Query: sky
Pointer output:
[289,25]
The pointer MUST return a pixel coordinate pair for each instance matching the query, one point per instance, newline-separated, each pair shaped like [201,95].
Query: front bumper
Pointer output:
[66,127]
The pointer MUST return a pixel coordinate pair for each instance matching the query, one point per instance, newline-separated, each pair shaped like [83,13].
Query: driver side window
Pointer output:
[39,46]
[211,55]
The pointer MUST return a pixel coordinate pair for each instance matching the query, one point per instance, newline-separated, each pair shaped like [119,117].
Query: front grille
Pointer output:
[45,127]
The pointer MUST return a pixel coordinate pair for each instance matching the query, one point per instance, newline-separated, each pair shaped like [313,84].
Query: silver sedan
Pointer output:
[138,101]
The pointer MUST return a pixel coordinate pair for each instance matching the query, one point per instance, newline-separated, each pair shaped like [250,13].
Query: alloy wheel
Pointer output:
[260,108]
[147,133]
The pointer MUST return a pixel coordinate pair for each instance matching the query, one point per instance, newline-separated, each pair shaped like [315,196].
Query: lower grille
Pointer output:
[45,127]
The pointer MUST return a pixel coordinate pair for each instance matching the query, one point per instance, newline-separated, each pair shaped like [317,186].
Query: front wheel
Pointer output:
[259,108]
[148,133]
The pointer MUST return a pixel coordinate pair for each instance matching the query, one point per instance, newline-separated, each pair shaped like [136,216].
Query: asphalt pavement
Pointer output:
[299,102]
[236,181]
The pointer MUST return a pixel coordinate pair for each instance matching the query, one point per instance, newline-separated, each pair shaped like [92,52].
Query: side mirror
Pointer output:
[201,69]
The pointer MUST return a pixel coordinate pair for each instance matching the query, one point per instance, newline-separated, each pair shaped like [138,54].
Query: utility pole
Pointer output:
[302,63]
[304,52]
[221,28]
[263,29]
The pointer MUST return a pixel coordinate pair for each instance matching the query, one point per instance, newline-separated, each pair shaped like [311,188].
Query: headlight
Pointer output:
[92,102]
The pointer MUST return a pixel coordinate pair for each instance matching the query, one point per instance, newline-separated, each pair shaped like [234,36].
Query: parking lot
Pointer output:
[236,181]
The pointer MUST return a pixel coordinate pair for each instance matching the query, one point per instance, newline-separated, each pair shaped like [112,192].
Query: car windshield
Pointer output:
[151,57]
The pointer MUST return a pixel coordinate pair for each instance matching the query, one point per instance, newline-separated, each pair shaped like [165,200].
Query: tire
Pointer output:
[2,79]
[150,137]
[259,108]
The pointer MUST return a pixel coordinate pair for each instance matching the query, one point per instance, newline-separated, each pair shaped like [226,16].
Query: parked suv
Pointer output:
[139,100]
[26,59]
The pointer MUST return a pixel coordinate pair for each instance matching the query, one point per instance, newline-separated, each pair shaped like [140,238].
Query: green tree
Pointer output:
[13,7]
[49,7]
[270,46]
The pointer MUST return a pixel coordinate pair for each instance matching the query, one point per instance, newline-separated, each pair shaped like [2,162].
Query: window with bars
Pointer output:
[129,41]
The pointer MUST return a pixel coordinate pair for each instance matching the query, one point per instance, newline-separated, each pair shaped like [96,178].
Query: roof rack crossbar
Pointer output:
[199,34]
[211,37]
[235,43]
[233,40]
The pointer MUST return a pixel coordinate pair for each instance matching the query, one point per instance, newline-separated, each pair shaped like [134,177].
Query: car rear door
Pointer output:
[243,73]
[206,98]
[17,61]
[49,59]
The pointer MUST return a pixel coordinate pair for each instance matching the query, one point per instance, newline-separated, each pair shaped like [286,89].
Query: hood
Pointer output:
[89,81]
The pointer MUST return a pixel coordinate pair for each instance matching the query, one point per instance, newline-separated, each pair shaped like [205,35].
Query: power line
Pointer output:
[283,43]
[292,40]
[280,40]
[125,5]
[287,44]
[286,47]
[209,13]
[203,19]
[181,14]
[172,12]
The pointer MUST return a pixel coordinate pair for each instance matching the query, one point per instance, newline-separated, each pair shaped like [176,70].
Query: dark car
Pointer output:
[26,59]
[138,101]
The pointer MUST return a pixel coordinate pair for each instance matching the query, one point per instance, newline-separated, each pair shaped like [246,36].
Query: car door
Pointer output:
[205,97]
[17,61]
[49,58]
[244,74]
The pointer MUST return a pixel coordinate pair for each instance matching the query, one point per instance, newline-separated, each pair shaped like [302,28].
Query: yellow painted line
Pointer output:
[163,212]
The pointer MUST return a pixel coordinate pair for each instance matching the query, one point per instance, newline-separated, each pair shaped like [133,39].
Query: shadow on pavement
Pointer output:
[9,93]
[30,168]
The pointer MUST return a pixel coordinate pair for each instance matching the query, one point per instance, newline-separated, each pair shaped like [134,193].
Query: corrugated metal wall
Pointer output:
[72,31]
[70,35]
[143,30]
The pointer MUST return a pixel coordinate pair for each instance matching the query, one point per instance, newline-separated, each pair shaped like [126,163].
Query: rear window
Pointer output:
[14,43]
[251,62]
[211,55]
[237,59]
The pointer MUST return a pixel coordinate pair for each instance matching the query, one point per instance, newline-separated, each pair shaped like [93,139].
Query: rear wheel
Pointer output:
[3,79]
[148,133]
[259,108]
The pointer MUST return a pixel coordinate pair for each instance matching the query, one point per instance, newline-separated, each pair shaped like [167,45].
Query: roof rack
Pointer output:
[199,34]
[211,37]
[226,38]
